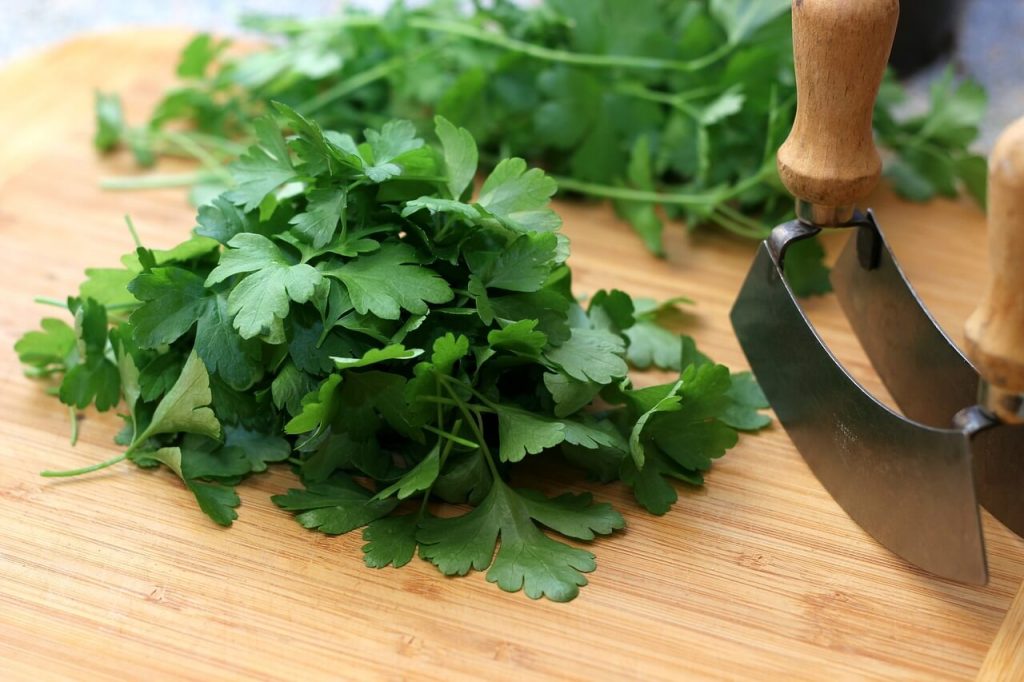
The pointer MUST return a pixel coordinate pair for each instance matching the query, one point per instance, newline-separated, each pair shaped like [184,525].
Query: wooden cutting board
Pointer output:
[118,576]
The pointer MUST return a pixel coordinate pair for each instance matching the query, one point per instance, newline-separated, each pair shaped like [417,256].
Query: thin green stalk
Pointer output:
[737,228]
[89,469]
[55,302]
[157,180]
[472,32]
[364,78]
[39,373]
[139,440]
[627,194]
[204,157]
[450,436]
[423,504]
[360,80]
[491,406]
[443,457]
[225,145]
[676,101]
[132,231]
[742,228]
[741,219]
[63,304]
[477,431]
[451,403]
[284,25]
[73,414]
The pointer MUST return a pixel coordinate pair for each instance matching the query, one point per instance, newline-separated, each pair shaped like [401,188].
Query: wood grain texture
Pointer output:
[1005,660]
[118,576]
[840,49]
[995,331]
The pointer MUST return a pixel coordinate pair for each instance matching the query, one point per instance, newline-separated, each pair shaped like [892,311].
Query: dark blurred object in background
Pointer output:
[927,30]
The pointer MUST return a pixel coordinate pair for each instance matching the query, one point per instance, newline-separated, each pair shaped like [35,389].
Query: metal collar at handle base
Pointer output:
[819,215]
[1007,406]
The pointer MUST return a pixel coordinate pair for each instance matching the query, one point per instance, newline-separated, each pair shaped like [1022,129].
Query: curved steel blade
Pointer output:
[910,486]
[925,372]
[999,474]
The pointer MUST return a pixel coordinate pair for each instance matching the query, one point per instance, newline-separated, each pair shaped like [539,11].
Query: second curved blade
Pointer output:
[925,372]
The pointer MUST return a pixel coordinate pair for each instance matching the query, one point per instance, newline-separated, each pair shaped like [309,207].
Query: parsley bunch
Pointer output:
[347,308]
[668,108]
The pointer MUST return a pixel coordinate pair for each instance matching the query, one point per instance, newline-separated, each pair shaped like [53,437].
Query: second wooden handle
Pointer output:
[840,48]
[995,332]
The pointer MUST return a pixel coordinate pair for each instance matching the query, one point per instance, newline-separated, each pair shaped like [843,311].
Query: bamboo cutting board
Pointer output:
[118,576]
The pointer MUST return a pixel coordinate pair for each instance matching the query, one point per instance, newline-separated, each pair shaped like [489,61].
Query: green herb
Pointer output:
[932,148]
[668,108]
[353,310]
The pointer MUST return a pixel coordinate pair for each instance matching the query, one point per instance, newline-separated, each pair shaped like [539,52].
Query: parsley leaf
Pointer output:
[526,559]
[265,167]
[591,355]
[460,155]
[747,399]
[344,309]
[49,350]
[519,197]
[804,269]
[391,280]
[518,337]
[333,507]
[522,433]
[215,500]
[323,213]
[524,265]
[261,299]
[93,377]
[390,541]
[185,407]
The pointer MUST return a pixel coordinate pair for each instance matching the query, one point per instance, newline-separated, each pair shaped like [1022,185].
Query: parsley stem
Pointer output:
[56,302]
[272,24]
[204,157]
[344,87]
[442,457]
[676,101]
[627,194]
[491,406]
[448,401]
[364,78]
[536,51]
[86,470]
[475,33]
[132,231]
[475,428]
[157,180]
[423,504]
[225,145]
[451,437]
[44,372]
[737,223]
[73,414]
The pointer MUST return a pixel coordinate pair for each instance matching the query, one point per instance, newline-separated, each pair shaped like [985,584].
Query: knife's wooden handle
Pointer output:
[995,331]
[829,162]
[1005,659]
